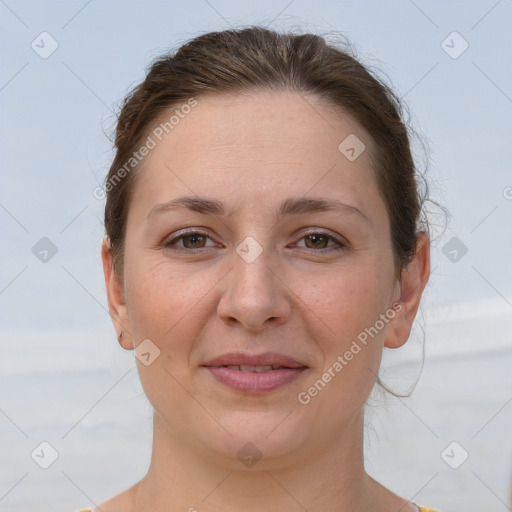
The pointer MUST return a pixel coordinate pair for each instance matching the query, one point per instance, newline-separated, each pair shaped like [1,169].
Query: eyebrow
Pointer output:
[291,206]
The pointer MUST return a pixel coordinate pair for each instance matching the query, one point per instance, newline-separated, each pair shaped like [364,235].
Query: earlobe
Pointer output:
[413,280]
[115,295]
[124,341]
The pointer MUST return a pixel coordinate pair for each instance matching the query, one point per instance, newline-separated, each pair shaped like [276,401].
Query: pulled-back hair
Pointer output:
[257,58]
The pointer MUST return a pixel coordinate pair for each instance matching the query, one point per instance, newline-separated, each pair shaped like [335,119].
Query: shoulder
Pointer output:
[122,502]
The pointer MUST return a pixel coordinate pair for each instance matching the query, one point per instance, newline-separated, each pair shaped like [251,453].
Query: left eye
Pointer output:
[320,240]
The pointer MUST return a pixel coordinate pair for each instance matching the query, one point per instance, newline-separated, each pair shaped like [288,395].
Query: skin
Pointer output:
[253,151]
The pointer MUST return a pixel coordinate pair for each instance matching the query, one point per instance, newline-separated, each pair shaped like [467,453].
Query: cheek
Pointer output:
[167,307]
[347,306]
[347,300]
[345,310]
[166,304]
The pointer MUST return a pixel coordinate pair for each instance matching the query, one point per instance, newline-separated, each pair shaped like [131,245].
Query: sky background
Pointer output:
[55,113]
[54,151]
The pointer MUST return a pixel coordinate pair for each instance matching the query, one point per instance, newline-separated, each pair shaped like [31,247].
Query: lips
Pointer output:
[267,359]
[252,368]
[255,373]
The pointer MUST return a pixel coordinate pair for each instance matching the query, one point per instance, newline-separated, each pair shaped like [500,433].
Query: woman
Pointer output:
[264,243]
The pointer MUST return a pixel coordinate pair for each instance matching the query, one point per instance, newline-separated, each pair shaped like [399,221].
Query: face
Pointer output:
[268,295]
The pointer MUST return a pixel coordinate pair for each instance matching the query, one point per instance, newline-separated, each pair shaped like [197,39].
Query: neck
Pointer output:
[329,477]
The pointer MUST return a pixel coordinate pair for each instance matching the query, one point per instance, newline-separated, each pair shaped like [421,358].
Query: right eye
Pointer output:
[191,241]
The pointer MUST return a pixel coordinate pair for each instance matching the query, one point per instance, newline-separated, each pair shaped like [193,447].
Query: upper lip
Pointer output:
[266,359]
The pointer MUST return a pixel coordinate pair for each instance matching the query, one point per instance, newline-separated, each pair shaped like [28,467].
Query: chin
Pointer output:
[258,440]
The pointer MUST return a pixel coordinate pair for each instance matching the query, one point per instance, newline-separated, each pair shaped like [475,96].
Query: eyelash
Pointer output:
[171,244]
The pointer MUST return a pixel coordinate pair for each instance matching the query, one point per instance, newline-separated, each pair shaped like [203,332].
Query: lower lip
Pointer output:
[255,382]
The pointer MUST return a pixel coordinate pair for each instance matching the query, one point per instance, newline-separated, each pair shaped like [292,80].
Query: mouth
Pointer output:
[255,373]
[252,368]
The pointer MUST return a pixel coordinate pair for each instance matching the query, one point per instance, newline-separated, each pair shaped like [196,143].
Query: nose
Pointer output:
[256,294]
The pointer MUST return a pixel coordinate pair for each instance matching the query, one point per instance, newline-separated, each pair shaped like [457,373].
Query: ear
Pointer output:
[412,282]
[115,295]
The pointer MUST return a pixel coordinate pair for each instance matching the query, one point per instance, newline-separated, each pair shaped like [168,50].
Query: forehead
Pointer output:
[270,119]
[255,146]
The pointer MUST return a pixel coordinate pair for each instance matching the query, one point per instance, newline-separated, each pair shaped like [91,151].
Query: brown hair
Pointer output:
[257,58]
